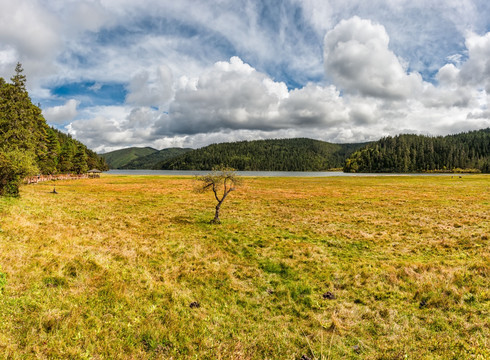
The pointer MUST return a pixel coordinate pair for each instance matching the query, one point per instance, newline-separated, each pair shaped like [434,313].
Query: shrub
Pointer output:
[15,165]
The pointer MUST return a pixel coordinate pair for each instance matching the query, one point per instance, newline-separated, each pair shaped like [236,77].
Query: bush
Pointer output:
[15,165]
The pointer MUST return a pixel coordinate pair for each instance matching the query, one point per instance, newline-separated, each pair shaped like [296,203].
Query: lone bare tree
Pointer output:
[222,181]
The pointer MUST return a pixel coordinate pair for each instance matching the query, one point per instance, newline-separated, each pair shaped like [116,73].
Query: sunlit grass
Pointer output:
[108,268]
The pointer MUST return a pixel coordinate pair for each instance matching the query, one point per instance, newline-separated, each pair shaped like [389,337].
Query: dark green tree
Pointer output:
[80,160]
[48,163]
[15,165]
[65,159]
[19,80]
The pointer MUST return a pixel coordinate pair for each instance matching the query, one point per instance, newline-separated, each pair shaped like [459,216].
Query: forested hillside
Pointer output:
[149,161]
[265,155]
[118,158]
[416,153]
[29,146]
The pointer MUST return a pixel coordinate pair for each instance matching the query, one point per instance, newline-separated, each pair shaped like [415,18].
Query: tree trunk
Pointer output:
[216,219]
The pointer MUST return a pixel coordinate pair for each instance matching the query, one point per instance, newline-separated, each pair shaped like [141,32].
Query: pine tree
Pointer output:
[80,161]
[48,163]
[19,80]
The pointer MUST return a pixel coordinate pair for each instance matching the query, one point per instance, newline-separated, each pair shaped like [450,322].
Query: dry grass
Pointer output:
[107,268]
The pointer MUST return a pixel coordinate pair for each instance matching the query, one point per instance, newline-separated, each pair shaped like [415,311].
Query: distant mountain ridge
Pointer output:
[299,154]
[118,158]
[402,153]
[140,157]
[149,161]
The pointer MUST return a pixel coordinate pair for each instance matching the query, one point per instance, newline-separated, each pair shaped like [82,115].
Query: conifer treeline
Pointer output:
[265,155]
[29,146]
[418,153]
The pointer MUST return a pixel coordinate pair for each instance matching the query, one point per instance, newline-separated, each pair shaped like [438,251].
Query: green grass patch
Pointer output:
[128,267]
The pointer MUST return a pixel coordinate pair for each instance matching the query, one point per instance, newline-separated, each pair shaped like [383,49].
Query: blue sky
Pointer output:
[119,73]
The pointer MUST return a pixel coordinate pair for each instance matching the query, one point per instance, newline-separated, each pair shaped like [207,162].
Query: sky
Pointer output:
[187,73]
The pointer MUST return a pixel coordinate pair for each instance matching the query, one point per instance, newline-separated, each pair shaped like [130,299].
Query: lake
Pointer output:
[262,173]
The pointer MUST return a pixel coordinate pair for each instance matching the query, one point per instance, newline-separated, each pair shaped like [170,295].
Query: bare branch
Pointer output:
[220,179]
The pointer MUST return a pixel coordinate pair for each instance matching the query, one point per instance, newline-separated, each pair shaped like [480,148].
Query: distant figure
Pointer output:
[54,190]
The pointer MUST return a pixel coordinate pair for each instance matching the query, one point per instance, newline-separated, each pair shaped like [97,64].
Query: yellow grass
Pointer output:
[108,268]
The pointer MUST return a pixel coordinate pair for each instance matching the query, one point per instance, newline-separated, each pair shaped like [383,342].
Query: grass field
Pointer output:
[322,268]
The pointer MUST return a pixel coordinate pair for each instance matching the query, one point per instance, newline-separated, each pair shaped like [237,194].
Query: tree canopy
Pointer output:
[28,145]
[417,153]
[298,154]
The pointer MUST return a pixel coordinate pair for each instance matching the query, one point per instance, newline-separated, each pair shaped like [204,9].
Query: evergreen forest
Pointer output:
[464,152]
[149,161]
[118,158]
[298,154]
[29,146]
[140,158]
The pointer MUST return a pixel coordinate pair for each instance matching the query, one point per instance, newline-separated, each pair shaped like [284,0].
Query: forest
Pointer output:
[29,146]
[298,154]
[467,152]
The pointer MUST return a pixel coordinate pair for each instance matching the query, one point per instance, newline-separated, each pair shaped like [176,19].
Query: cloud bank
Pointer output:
[120,73]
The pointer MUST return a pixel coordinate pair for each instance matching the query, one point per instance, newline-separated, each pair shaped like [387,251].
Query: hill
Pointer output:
[149,161]
[119,158]
[28,146]
[265,155]
[468,151]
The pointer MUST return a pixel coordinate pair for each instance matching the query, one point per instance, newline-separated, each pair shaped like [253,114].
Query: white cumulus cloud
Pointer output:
[151,88]
[476,71]
[63,113]
[231,95]
[359,61]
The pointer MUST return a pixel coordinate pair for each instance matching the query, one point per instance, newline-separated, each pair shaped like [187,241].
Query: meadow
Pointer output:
[129,267]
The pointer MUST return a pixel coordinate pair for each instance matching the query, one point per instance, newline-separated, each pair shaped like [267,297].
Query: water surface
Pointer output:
[263,173]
